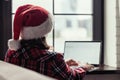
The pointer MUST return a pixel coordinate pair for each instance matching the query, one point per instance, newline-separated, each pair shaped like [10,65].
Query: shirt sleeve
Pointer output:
[9,57]
[64,72]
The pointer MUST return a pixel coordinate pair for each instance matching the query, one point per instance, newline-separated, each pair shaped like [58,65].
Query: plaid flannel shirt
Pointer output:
[45,62]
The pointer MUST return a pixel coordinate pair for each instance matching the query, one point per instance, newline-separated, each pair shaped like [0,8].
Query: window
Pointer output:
[74,19]
[72,27]
[70,19]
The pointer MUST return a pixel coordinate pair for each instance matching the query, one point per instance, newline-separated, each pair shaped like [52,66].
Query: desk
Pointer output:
[104,73]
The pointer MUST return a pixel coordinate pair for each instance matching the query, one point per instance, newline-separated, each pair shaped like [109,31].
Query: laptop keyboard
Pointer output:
[92,69]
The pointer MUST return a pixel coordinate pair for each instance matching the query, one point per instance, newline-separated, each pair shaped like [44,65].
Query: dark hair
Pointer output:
[44,43]
[39,43]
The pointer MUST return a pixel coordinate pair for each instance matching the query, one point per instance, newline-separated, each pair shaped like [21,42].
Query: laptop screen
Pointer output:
[83,51]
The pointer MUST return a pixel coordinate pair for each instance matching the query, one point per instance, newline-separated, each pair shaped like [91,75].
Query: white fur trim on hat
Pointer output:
[13,44]
[37,31]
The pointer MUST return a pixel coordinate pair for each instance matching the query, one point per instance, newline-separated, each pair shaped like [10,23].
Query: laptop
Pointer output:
[83,52]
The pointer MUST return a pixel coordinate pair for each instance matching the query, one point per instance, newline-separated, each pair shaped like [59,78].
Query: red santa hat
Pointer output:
[30,22]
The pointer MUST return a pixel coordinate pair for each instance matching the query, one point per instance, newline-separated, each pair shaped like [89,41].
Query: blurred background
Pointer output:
[72,19]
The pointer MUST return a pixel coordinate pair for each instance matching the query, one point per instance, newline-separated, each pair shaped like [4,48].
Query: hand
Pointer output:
[87,66]
[72,62]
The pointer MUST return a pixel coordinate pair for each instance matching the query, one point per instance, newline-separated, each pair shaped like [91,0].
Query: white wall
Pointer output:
[110,32]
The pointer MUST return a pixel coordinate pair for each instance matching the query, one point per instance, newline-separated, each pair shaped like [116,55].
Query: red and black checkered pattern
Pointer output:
[45,62]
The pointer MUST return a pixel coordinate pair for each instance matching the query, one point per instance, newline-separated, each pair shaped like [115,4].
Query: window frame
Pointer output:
[98,24]
[6,22]
[98,20]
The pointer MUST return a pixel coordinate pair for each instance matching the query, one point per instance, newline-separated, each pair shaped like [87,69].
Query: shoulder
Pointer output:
[59,55]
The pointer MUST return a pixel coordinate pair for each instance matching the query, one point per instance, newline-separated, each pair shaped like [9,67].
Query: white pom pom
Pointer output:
[14,44]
